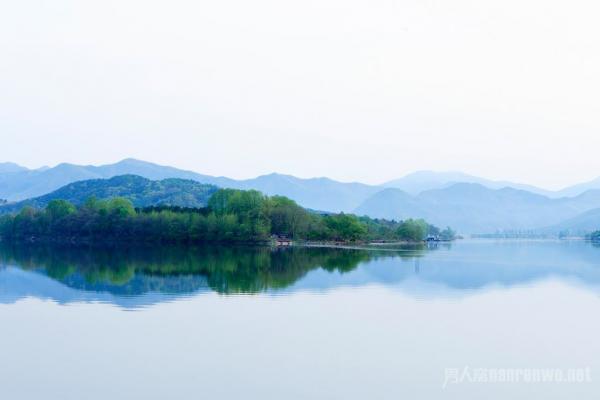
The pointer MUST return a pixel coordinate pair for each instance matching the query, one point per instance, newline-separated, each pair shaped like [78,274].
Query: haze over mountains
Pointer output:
[473,208]
[465,202]
[9,167]
[421,181]
[581,224]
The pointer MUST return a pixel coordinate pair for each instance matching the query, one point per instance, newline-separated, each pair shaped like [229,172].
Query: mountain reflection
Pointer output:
[135,277]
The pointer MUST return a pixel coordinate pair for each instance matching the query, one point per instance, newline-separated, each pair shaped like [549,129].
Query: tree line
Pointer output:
[230,216]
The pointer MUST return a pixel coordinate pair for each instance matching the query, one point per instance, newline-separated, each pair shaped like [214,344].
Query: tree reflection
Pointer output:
[168,269]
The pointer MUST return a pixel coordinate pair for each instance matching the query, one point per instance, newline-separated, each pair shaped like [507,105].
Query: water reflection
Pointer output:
[140,276]
[177,270]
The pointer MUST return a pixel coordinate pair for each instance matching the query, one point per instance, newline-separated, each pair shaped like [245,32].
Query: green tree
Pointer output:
[58,209]
[288,218]
[413,230]
[120,208]
[345,227]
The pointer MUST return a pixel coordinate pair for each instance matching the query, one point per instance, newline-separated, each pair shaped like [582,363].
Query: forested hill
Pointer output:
[230,216]
[140,191]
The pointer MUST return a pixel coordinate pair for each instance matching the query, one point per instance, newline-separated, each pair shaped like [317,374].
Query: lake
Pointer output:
[467,320]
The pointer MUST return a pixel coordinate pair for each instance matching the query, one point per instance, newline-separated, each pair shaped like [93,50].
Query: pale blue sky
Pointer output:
[354,90]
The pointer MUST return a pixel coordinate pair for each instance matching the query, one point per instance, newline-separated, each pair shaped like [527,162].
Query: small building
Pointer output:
[281,240]
[432,238]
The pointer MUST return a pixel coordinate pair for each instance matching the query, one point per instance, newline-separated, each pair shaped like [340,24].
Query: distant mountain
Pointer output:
[394,204]
[9,167]
[141,191]
[421,181]
[581,224]
[473,208]
[578,189]
[316,193]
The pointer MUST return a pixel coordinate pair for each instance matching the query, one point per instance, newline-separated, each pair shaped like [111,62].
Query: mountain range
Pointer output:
[581,224]
[421,181]
[473,208]
[316,193]
[465,202]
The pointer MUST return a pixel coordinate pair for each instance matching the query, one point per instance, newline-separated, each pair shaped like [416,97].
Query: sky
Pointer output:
[355,90]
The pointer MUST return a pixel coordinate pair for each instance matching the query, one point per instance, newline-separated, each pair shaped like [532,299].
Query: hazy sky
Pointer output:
[354,90]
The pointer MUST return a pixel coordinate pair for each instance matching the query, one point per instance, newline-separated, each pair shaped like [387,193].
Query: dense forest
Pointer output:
[595,236]
[230,216]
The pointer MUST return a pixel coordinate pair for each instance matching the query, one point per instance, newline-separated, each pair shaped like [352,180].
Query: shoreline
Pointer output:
[86,242]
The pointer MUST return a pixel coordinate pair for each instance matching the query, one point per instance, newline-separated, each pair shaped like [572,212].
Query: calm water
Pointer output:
[300,323]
